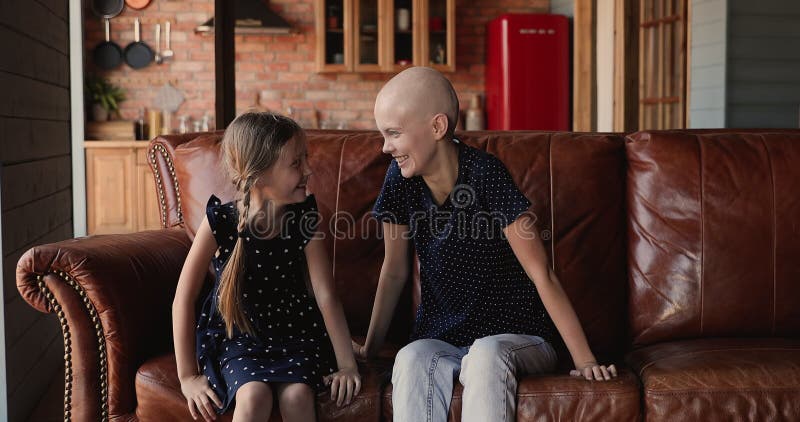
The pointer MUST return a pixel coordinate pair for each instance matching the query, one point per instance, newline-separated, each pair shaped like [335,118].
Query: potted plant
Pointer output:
[103,96]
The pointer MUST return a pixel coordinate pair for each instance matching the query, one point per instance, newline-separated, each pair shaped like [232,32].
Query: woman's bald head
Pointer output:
[421,92]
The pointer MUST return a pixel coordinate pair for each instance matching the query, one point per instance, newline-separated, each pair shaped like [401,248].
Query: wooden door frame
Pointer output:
[584,65]
[626,66]
[224,63]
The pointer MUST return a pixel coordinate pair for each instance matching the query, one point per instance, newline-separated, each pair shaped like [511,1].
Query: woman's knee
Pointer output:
[487,348]
[485,355]
[420,358]
[254,398]
[296,395]
[415,355]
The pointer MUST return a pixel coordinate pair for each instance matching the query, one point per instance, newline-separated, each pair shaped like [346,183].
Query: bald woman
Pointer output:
[490,304]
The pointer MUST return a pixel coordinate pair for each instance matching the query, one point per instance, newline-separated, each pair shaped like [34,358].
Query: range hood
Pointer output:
[252,17]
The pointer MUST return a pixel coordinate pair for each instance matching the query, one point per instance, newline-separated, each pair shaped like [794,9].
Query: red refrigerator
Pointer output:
[527,72]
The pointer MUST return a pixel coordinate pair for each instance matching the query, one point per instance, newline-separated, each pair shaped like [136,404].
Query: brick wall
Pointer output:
[279,68]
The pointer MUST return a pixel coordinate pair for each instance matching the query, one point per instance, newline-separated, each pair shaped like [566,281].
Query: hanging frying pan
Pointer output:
[137,4]
[137,53]
[107,55]
[107,9]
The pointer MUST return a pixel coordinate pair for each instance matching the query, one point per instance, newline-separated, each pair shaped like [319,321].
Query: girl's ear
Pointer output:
[439,125]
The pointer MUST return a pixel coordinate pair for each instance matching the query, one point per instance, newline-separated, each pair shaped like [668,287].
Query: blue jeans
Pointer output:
[425,370]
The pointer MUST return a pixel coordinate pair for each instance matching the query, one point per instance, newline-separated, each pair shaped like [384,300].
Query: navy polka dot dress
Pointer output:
[472,284]
[291,344]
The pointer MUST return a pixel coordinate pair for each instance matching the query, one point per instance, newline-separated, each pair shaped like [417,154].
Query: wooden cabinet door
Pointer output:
[368,36]
[401,26]
[110,201]
[437,34]
[385,35]
[148,216]
[334,27]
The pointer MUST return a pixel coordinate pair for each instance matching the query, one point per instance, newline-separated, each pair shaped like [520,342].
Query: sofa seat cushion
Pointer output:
[731,379]
[560,397]
[159,397]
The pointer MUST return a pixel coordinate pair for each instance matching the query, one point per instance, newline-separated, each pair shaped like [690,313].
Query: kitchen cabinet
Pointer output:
[385,35]
[120,188]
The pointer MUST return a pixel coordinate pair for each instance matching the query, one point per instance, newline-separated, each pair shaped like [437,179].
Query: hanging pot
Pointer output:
[137,53]
[107,9]
[108,54]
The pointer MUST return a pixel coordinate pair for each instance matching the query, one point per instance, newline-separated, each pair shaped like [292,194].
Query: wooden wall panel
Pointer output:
[36,188]
[763,64]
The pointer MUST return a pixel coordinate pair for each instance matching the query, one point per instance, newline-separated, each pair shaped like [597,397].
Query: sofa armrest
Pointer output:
[112,295]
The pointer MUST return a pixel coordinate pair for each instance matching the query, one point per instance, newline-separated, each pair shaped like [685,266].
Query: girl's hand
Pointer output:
[359,351]
[591,370]
[199,397]
[345,385]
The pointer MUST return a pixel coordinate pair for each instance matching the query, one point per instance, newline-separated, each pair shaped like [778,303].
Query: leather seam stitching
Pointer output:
[577,393]
[723,391]
[336,210]
[702,234]
[774,236]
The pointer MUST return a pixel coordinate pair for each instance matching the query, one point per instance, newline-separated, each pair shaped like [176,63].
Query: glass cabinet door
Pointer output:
[334,53]
[438,39]
[402,43]
[368,38]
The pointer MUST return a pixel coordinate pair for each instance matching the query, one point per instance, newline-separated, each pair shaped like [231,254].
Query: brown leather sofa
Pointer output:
[679,250]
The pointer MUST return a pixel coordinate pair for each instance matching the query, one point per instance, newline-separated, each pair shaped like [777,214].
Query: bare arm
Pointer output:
[319,269]
[531,254]
[345,383]
[394,273]
[183,323]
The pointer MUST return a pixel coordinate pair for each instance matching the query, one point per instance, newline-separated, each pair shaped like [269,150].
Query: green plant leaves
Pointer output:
[103,92]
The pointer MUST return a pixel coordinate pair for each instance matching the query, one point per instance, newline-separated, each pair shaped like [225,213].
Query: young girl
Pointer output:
[259,330]
[488,297]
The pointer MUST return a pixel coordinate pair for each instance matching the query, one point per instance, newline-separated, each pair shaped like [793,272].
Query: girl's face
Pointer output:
[409,139]
[285,181]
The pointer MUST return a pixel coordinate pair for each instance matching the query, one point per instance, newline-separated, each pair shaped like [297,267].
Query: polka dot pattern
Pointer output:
[290,342]
[472,284]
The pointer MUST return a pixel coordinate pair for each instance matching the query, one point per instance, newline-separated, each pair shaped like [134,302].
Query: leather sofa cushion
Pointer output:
[714,234]
[560,398]
[755,379]
[160,399]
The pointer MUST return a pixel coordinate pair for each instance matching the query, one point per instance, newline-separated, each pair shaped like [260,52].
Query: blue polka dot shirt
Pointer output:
[472,284]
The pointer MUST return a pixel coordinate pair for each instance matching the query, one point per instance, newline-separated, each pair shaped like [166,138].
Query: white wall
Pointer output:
[76,106]
[605,65]
[708,66]
[562,7]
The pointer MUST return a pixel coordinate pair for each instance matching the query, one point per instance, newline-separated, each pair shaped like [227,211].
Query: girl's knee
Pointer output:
[254,398]
[296,395]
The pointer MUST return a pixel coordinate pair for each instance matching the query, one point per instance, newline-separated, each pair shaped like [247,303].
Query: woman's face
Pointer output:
[408,139]
[285,181]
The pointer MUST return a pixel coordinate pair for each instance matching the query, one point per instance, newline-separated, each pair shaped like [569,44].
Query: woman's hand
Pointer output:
[591,370]
[199,397]
[345,385]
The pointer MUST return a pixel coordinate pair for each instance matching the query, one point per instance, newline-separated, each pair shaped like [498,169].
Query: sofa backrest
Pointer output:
[575,182]
[713,234]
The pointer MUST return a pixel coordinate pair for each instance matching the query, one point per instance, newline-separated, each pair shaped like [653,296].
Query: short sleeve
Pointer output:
[308,218]
[391,205]
[503,198]
[217,215]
